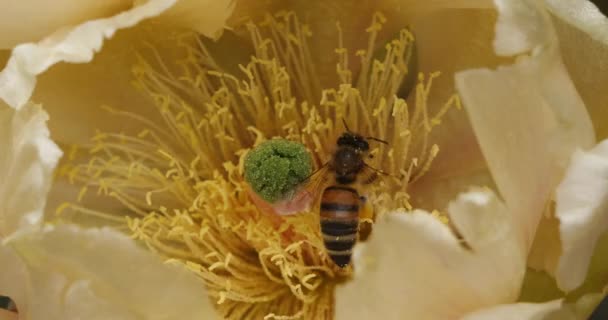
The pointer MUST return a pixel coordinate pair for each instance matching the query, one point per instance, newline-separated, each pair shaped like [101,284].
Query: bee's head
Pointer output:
[353,140]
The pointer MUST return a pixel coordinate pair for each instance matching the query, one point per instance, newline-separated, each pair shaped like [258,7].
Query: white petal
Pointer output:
[583,14]
[521,26]
[413,267]
[582,208]
[528,118]
[551,310]
[519,311]
[583,37]
[207,17]
[487,227]
[73,273]
[80,43]
[75,45]
[44,16]
[27,160]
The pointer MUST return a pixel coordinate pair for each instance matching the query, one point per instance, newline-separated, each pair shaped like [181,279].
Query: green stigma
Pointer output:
[275,168]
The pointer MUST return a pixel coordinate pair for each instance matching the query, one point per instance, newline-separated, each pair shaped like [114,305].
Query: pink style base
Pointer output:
[299,202]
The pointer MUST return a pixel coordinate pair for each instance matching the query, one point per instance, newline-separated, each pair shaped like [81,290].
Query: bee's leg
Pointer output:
[366,211]
[383,172]
[370,178]
[366,218]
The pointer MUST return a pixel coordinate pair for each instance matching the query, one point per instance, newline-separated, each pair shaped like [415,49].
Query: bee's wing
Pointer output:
[305,196]
[317,180]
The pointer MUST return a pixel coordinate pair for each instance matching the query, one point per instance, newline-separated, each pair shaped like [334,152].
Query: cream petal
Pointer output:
[519,311]
[528,118]
[488,229]
[551,310]
[207,17]
[74,273]
[521,26]
[413,267]
[73,93]
[582,204]
[43,16]
[583,35]
[80,43]
[75,45]
[584,15]
[27,160]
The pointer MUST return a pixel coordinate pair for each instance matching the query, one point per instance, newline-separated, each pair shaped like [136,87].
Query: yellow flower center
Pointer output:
[178,183]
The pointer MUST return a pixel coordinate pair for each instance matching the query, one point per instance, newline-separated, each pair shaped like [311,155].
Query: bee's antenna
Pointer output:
[345,125]
[377,140]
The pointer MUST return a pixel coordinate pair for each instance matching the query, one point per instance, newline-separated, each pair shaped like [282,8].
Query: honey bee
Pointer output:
[341,201]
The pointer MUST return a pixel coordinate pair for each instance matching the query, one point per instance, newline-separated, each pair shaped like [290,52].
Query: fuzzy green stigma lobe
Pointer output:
[275,168]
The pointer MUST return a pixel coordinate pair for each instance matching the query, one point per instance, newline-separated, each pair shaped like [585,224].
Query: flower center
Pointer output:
[178,182]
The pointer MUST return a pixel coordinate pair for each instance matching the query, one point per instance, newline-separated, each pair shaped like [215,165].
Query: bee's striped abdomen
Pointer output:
[339,222]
